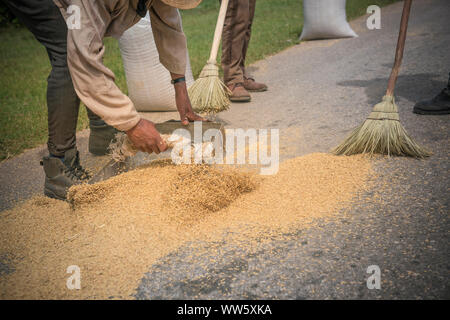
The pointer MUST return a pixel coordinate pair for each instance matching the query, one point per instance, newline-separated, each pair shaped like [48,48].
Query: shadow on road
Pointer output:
[414,87]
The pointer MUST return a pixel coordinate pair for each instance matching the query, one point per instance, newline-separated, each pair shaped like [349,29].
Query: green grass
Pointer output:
[24,64]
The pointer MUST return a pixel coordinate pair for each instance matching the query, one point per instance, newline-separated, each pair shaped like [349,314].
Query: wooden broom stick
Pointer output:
[400,48]
[218,32]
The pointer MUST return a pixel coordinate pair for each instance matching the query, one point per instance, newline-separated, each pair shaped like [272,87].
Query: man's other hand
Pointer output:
[183,102]
[146,138]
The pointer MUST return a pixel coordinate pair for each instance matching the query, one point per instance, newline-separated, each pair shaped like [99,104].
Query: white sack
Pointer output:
[148,80]
[325,19]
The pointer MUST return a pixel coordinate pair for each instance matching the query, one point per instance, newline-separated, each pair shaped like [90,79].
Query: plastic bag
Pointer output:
[148,80]
[325,19]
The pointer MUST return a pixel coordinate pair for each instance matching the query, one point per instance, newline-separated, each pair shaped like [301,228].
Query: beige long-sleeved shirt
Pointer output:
[93,82]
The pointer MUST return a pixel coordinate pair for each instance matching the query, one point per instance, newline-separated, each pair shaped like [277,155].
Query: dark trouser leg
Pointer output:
[233,40]
[63,105]
[100,136]
[252,5]
[94,119]
[45,21]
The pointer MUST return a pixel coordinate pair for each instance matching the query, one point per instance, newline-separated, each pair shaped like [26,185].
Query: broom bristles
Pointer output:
[209,94]
[381,133]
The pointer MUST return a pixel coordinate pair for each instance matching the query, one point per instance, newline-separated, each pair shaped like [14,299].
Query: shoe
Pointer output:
[238,93]
[100,137]
[251,85]
[60,174]
[436,106]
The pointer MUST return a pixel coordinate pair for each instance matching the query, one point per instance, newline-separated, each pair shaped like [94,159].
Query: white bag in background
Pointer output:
[325,19]
[148,80]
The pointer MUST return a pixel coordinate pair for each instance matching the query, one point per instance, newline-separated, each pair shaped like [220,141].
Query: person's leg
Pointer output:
[47,24]
[251,14]
[439,105]
[233,39]
[100,135]
[45,21]
[62,167]
[249,82]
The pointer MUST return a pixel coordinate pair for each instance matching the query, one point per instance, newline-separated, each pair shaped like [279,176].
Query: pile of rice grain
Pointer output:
[200,189]
[115,230]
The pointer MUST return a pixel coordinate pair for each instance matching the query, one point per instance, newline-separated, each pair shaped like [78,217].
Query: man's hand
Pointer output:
[146,138]
[184,106]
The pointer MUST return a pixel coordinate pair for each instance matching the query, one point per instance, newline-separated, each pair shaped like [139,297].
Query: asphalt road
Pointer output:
[320,90]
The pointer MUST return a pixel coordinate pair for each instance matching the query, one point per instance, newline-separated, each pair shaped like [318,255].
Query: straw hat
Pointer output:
[182,4]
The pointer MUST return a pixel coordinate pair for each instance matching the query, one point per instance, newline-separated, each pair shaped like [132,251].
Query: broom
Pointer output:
[208,93]
[382,131]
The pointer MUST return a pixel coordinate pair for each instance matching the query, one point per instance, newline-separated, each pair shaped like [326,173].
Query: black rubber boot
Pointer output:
[436,106]
[60,175]
[100,137]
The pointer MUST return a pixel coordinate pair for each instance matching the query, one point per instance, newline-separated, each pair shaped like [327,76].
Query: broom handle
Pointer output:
[218,32]
[400,47]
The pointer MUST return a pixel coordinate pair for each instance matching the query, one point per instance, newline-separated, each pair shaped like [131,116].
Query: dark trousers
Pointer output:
[44,20]
[235,39]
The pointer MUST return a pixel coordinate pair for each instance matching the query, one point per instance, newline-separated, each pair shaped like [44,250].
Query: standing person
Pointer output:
[235,39]
[76,56]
